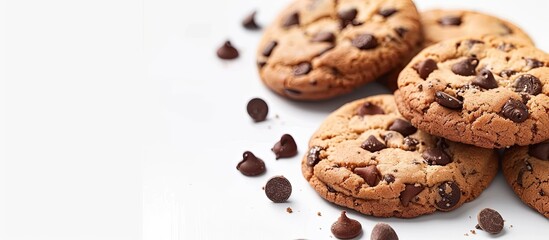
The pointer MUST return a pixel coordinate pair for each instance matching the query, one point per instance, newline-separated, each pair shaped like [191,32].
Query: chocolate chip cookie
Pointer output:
[367,157]
[318,49]
[526,169]
[488,91]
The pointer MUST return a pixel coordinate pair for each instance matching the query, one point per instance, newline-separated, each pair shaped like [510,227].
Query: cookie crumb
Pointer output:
[289,210]
[511,226]
[466,235]
[473,232]
[320,215]
[276,116]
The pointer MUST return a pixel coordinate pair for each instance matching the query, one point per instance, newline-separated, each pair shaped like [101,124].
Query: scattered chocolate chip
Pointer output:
[528,84]
[290,91]
[249,22]
[383,231]
[369,109]
[448,100]
[285,148]
[257,109]
[370,174]
[411,143]
[269,48]
[403,127]
[278,189]
[346,228]
[490,221]
[540,150]
[323,37]
[450,194]
[515,110]
[372,144]
[401,31]
[465,67]
[313,156]
[365,41]
[389,178]
[425,67]
[302,69]
[410,191]
[251,165]
[347,16]
[227,51]
[533,63]
[507,73]
[450,21]
[436,156]
[386,12]
[485,79]
[292,19]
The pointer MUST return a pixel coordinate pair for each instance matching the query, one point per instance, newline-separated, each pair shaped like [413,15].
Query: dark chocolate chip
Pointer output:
[410,191]
[411,143]
[347,16]
[436,156]
[386,12]
[540,150]
[370,174]
[389,178]
[365,41]
[372,144]
[269,48]
[528,84]
[257,109]
[302,69]
[450,21]
[401,31]
[278,189]
[290,91]
[507,73]
[251,165]
[465,67]
[249,22]
[291,20]
[285,148]
[485,79]
[346,228]
[425,67]
[323,37]
[515,110]
[403,127]
[448,100]
[227,51]
[383,231]
[490,221]
[533,63]
[450,194]
[369,109]
[441,143]
[313,156]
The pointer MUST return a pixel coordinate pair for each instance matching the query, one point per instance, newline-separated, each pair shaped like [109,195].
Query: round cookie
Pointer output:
[526,169]
[365,156]
[489,92]
[319,49]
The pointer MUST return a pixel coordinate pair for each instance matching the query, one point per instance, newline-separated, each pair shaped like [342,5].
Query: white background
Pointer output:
[119,122]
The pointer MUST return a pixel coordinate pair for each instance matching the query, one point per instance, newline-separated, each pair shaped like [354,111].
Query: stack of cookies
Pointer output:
[466,84]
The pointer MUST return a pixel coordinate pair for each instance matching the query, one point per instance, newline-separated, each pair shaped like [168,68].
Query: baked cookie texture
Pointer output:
[366,157]
[488,91]
[526,169]
[319,49]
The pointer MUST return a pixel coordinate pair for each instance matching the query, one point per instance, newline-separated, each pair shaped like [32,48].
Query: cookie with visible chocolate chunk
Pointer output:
[319,49]
[526,169]
[367,157]
[488,91]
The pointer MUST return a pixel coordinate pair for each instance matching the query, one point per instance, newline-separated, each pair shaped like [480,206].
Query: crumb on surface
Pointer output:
[320,214]
[263,188]
[466,235]
[511,226]
[473,232]
[289,210]
[276,116]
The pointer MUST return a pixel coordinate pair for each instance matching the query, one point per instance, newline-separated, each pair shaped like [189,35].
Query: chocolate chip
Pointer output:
[401,31]
[313,156]
[257,109]
[365,41]
[533,63]
[507,73]
[251,165]
[528,84]
[290,91]
[485,79]
[540,150]
[448,100]
[323,37]
[436,156]
[383,231]
[389,178]
[302,69]
[386,12]
[227,51]
[410,191]
[249,22]
[292,19]
[465,67]
[441,143]
[403,127]
[370,174]
[425,67]
[450,21]
[346,228]
[490,221]
[369,109]
[450,194]
[269,48]
[372,144]
[285,148]
[278,189]
[410,143]
[347,16]
[515,110]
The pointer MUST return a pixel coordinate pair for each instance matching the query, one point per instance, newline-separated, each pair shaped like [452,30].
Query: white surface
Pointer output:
[120,123]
